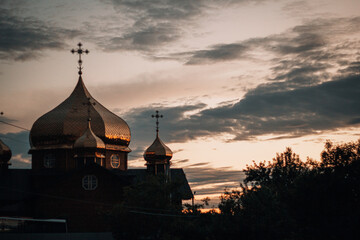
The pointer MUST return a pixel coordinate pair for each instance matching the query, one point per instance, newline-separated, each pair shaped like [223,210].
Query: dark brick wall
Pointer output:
[85,210]
[64,159]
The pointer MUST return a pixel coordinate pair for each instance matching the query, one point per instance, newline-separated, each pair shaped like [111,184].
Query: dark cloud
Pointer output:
[295,112]
[163,9]
[198,164]
[313,87]
[24,38]
[175,162]
[143,126]
[219,52]
[19,145]
[318,39]
[144,39]
[156,24]
[207,180]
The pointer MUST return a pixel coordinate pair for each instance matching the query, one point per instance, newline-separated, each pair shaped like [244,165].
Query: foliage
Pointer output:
[335,156]
[146,209]
[290,199]
[230,201]
[194,209]
[285,198]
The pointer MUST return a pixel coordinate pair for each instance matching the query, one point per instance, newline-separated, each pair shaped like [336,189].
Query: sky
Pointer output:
[236,80]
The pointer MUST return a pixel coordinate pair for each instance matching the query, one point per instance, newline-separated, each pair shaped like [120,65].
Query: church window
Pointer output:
[49,160]
[90,182]
[115,161]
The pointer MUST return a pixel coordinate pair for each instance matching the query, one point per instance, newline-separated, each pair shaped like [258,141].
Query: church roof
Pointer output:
[89,140]
[177,176]
[68,121]
[158,151]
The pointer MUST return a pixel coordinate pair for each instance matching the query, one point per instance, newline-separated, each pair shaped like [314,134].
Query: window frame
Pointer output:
[49,160]
[111,161]
[90,182]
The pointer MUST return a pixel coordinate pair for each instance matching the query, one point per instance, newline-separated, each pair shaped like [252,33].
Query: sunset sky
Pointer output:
[236,80]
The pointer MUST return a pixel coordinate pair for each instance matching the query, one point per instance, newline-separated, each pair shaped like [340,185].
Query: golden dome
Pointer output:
[89,140]
[157,151]
[63,125]
[5,153]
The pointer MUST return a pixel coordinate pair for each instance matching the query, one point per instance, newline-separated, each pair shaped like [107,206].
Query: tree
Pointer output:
[285,198]
[342,155]
[195,209]
[284,169]
[146,210]
[289,199]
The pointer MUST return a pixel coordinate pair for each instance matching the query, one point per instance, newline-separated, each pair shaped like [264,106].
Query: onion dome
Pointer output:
[63,125]
[89,140]
[158,151]
[5,154]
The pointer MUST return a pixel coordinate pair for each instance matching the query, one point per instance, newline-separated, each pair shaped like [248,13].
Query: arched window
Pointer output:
[115,161]
[49,160]
[89,182]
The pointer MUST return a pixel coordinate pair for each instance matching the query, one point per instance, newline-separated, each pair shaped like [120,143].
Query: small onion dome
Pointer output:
[89,140]
[158,151]
[63,125]
[5,153]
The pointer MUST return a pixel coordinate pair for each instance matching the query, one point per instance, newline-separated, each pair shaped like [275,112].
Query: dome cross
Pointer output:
[80,51]
[157,116]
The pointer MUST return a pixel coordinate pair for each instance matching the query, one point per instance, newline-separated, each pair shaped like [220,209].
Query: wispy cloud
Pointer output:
[291,112]
[208,180]
[25,38]
[313,87]
[317,39]
[156,24]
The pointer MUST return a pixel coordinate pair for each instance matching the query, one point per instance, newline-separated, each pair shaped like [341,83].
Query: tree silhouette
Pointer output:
[285,198]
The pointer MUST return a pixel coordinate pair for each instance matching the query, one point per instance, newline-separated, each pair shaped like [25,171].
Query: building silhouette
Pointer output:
[79,154]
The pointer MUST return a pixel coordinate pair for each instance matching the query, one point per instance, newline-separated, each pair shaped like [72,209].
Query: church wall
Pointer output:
[123,159]
[84,210]
[64,159]
[56,158]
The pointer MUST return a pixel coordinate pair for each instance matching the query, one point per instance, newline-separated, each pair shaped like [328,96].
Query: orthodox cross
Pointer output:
[89,104]
[79,51]
[157,116]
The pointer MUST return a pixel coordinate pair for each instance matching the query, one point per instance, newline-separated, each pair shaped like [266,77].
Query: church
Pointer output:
[79,152]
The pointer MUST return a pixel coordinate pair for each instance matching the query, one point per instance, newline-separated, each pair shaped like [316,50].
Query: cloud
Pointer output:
[313,87]
[317,39]
[208,180]
[290,113]
[151,25]
[198,164]
[219,52]
[144,39]
[19,161]
[176,162]
[19,145]
[22,38]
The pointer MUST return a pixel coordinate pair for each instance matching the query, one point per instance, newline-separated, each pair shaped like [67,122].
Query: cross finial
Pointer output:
[89,104]
[157,116]
[80,51]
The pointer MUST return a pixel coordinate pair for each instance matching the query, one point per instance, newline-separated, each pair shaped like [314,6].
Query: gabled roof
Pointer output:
[177,176]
